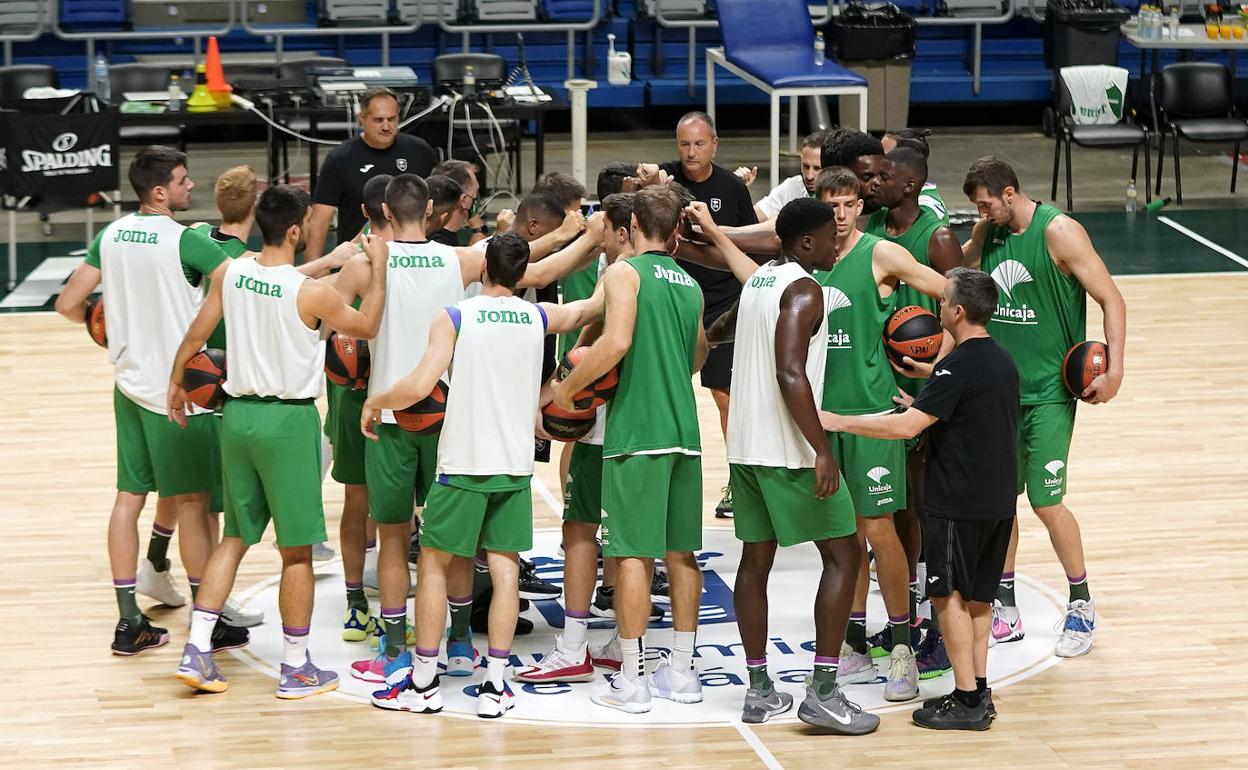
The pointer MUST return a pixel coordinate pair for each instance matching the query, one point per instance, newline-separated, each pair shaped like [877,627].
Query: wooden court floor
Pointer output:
[1156,480]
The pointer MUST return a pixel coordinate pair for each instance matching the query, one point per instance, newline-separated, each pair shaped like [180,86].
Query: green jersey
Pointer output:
[233,248]
[858,379]
[1041,312]
[930,200]
[577,286]
[653,411]
[914,240]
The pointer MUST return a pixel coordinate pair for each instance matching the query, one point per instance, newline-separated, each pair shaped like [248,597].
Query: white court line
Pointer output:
[760,749]
[1195,236]
[546,495]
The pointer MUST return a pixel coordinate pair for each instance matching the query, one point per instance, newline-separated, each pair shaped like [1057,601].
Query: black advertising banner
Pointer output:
[66,156]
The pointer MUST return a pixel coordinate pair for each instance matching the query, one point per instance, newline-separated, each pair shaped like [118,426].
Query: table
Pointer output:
[1192,37]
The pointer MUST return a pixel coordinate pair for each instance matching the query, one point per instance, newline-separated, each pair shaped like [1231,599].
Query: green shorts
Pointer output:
[1044,432]
[400,466]
[583,500]
[874,470]
[155,455]
[779,504]
[342,425]
[271,453]
[651,504]
[464,512]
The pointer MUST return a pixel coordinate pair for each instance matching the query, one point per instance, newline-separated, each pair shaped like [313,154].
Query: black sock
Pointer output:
[968,698]
[158,546]
[981,684]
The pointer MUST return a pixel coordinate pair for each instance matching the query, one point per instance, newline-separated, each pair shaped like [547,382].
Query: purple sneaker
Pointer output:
[198,670]
[305,681]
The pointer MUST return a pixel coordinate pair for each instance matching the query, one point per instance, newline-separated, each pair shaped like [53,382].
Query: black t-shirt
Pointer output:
[972,462]
[445,237]
[729,201]
[352,163]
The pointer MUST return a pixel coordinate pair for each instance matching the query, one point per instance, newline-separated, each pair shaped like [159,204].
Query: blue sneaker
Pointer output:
[881,644]
[461,658]
[1077,629]
[305,681]
[932,657]
[401,693]
[199,670]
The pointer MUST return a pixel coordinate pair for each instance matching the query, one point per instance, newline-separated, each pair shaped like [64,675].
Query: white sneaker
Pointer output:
[240,615]
[625,694]
[903,675]
[493,702]
[855,667]
[370,572]
[322,552]
[679,686]
[559,665]
[608,655]
[1077,628]
[157,585]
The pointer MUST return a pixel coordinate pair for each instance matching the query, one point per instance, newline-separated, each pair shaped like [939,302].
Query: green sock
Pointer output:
[356,600]
[127,604]
[1079,588]
[759,678]
[480,579]
[461,619]
[396,634]
[856,633]
[899,631]
[158,547]
[1005,591]
[824,679]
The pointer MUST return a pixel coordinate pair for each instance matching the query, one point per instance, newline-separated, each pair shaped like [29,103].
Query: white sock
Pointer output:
[682,650]
[424,669]
[634,664]
[574,633]
[495,670]
[294,646]
[202,623]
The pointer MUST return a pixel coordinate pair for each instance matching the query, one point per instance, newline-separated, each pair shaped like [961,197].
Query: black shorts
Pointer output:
[965,556]
[716,373]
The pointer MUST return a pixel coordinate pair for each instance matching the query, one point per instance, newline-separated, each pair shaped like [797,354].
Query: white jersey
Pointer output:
[152,269]
[789,190]
[496,375]
[272,352]
[422,278]
[761,431]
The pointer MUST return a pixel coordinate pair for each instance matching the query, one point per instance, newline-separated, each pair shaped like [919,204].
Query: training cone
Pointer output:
[217,87]
[201,100]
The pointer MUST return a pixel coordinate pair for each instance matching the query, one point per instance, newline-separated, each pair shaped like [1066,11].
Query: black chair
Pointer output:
[1124,133]
[1196,101]
[298,69]
[16,79]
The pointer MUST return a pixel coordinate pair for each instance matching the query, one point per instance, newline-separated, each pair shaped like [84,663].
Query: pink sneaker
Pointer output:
[1004,631]
[371,671]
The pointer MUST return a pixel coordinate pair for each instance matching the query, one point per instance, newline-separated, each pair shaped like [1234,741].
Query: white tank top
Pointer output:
[496,375]
[272,352]
[760,429]
[421,279]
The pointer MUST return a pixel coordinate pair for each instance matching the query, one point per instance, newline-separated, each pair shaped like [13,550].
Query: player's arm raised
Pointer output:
[801,310]
[320,300]
[943,250]
[197,334]
[323,266]
[891,261]
[1070,246]
[573,224]
[575,256]
[419,382]
[973,249]
[620,285]
[742,266]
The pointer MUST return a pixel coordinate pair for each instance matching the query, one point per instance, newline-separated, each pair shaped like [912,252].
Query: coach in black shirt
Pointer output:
[379,149]
[970,402]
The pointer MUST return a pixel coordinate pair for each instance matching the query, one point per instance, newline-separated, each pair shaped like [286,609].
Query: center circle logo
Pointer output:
[719,656]
[64,142]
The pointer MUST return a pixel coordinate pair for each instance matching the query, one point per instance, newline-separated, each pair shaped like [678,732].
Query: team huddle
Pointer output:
[780,308]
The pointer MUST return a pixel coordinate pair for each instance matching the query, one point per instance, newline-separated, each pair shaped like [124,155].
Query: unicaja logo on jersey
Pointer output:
[1054,467]
[833,300]
[1008,275]
[879,486]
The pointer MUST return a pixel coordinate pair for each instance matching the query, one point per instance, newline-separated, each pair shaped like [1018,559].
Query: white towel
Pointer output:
[1097,93]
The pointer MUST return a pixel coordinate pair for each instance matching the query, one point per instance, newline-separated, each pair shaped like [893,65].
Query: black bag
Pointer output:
[866,32]
[64,156]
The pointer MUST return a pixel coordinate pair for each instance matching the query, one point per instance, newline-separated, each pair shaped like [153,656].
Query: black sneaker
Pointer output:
[723,509]
[660,589]
[985,698]
[227,637]
[603,605]
[132,638]
[413,549]
[533,587]
[949,713]
[480,619]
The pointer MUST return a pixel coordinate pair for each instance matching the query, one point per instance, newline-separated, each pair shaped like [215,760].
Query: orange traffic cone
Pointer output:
[217,86]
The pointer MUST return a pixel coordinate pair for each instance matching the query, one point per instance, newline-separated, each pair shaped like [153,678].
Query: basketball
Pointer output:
[95,320]
[347,361]
[204,378]
[598,392]
[426,415]
[913,331]
[563,425]
[1084,363]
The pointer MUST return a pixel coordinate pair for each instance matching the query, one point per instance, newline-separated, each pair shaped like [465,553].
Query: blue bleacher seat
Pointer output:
[568,10]
[78,13]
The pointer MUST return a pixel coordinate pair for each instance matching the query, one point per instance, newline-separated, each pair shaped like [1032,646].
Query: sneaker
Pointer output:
[305,681]
[723,509]
[461,658]
[985,697]
[480,622]
[227,637]
[873,571]
[932,657]
[533,587]
[358,625]
[413,548]
[240,615]
[133,638]
[372,670]
[881,644]
[371,586]
[379,640]
[607,656]
[625,694]
[679,686]
[949,713]
[157,585]
[1077,629]
[836,713]
[855,667]
[903,675]
[199,670]
[321,552]
[493,702]
[559,665]
[1004,631]
[759,708]
[401,693]
[603,605]
[660,589]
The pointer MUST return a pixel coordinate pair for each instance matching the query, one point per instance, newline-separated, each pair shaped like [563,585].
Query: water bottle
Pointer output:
[101,78]
[470,83]
[1133,200]
[1173,23]
[175,93]
[820,48]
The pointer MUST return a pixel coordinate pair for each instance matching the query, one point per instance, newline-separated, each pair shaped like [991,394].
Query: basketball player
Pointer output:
[916,139]
[860,298]
[788,487]
[270,445]
[1045,266]
[484,465]
[862,154]
[652,470]
[799,186]
[151,267]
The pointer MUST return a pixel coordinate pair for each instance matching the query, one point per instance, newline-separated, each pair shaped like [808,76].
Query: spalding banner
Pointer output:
[65,156]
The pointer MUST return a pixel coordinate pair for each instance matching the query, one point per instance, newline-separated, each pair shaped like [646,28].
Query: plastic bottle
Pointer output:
[1133,198]
[175,93]
[619,64]
[820,49]
[470,83]
[1173,23]
[101,78]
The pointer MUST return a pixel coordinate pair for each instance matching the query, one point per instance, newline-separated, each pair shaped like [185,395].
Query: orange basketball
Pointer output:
[204,378]
[597,393]
[563,425]
[426,415]
[347,361]
[913,331]
[95,320]
[1084,363]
